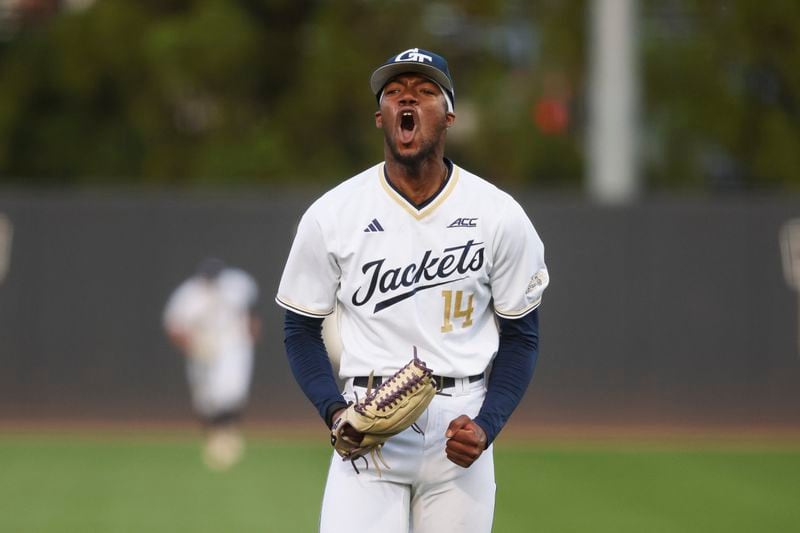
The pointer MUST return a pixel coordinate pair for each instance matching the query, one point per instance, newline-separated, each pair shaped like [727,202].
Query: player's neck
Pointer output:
[418,182]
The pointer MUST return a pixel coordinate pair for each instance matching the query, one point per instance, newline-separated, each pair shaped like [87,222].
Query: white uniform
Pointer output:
[433,278]
[215,317]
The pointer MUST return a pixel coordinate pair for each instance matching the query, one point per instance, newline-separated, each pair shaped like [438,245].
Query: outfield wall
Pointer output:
[669,311]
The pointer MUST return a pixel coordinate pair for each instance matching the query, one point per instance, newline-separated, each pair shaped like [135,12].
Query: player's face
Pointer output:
[414,118]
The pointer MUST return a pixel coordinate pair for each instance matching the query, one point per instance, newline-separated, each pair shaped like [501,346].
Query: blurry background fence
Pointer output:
[665,311]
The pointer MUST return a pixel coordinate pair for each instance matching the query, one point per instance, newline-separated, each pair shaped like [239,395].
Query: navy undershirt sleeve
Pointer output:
[310,365]
[512,371]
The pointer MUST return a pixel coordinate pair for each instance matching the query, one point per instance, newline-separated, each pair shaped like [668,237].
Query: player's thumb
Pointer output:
[456,424]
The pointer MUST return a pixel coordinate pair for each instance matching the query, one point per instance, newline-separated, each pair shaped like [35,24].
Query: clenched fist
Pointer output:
[466,441]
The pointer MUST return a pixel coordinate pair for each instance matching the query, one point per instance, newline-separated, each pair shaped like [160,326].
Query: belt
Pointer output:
[442,382]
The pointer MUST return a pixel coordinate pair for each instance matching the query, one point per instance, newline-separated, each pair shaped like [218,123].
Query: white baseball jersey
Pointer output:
[215,316]
[401,276]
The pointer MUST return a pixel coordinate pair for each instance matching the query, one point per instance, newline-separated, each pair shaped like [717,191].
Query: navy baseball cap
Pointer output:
[429,64]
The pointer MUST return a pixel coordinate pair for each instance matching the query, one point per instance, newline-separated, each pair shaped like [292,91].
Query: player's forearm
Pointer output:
[512,371]
[309,362]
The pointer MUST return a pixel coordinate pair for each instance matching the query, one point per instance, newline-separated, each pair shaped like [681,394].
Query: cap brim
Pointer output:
[385,73]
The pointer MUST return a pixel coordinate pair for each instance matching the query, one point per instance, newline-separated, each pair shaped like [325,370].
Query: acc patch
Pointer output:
[540,279]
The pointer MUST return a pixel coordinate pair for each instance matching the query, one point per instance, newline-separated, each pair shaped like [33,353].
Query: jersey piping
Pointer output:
[518,314]
[410,208]
[301,310]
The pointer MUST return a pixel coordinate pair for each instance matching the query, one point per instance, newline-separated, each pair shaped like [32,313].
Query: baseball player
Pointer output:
[209,319]
[416,253]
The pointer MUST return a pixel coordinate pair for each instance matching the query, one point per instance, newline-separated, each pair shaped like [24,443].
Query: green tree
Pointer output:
[720,94]
[192,92]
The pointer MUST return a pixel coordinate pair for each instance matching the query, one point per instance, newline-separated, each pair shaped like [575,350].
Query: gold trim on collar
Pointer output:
[419,214]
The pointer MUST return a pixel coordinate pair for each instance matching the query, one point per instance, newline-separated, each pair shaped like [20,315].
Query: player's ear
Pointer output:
[378,119]
[451,119]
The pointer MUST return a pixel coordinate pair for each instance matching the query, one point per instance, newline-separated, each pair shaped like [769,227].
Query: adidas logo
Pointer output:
[373,226]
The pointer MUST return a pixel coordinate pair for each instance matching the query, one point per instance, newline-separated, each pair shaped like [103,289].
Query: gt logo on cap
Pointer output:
[412,54]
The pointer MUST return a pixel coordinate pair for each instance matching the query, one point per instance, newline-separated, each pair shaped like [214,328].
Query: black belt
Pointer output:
[442,382]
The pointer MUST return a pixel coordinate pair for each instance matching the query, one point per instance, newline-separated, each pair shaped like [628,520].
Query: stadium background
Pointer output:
[664,312]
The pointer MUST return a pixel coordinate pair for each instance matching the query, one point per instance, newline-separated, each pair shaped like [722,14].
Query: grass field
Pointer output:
[156,483]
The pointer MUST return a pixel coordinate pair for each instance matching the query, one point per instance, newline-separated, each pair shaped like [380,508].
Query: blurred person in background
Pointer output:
[210,319]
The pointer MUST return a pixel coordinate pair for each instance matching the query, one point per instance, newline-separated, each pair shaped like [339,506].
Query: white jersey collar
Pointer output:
[430,206]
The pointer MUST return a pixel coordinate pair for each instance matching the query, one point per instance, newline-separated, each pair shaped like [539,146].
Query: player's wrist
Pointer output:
[333,410]
[486,431]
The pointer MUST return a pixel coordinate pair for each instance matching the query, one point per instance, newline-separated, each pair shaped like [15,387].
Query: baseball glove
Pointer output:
[384,412]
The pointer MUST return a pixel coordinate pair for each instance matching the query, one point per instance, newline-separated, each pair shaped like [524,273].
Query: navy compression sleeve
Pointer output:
[512,371]
[310,365]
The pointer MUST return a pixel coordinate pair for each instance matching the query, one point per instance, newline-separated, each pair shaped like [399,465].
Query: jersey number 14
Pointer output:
[454,309]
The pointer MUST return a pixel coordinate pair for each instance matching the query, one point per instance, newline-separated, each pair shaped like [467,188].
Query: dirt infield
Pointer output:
[668,436]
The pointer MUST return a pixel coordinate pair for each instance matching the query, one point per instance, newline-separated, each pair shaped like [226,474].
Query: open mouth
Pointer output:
[407,121]
[408,126]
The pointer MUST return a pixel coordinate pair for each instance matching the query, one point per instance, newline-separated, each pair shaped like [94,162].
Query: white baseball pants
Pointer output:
[422,491]
[221,383]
